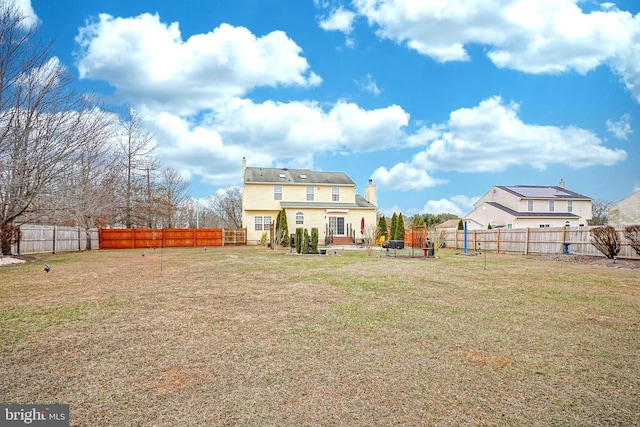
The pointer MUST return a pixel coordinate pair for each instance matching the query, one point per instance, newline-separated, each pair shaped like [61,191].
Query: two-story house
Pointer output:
[626,211]
[530,206]
[311,199]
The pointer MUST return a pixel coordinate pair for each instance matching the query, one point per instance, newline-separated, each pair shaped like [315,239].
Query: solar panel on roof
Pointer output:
[540,191]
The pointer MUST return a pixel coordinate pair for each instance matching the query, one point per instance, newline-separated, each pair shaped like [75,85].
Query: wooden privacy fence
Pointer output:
[36,239]
[534,241]
[138,238]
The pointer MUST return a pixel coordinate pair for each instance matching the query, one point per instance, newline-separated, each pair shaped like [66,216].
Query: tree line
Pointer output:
[66,159]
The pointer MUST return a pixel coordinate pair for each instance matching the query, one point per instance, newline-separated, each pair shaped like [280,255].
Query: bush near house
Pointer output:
[314,240]
[298,240]
[305,241]
[606,240]
[632,234]
[9,234]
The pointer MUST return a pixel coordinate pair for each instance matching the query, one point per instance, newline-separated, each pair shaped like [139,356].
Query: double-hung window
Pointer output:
[262,223]
[530,205]
[552,205]
[569,205]
[277,192]
[310,193]
[335,194]
[299,218]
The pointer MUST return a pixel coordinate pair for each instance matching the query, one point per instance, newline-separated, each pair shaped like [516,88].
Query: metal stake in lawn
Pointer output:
[485,254]
[153,237]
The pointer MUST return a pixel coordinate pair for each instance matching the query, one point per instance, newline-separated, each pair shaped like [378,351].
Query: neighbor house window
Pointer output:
[262,223]
[335,194]
[544,225]
[299,218]
[277,192]
[310,193]
[551,206]
[570,206]
[530,205]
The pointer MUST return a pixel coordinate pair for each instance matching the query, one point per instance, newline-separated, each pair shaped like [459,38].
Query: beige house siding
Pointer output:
[258,201]
[529,206]
[626,211]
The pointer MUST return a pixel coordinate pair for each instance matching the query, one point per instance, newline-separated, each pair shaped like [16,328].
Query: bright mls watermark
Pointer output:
[34,415]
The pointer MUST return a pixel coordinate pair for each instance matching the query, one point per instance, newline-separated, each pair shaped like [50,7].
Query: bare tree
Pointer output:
[135,157]
[171,193]
[600,212]
[44,123]
[89,186]
[227,205]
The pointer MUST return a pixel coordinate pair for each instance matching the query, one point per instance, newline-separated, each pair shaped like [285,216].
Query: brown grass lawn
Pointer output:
[250,337]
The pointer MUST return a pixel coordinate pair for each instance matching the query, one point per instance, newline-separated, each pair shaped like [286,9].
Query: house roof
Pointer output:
[360,203]
[295,176]
[532,214]
[542,192]
[450,223]
[629,197]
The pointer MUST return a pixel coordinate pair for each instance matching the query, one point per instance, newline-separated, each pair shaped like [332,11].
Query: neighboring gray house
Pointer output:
[531,206]
[626,211]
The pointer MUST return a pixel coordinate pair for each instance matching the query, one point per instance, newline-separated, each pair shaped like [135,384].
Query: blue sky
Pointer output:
[436,101]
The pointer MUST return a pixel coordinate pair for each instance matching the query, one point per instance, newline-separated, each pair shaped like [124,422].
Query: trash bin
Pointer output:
[395,244]
[431,250]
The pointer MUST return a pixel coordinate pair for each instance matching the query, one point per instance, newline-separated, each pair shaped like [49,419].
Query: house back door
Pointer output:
[336,223]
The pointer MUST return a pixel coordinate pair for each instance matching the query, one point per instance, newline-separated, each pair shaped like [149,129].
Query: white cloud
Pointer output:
[147,61]
[339,20]
[621,128]
[457,205]
[26,9]
[404,177]
[531,36]
[298,128]
[491,137]
[368,84]
[270,133]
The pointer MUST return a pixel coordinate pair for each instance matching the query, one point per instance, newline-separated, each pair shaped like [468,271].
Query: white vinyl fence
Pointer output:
[534,241]
[36,239]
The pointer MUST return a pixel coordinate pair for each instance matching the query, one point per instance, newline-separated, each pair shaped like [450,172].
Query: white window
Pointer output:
[570,206]
[335,194]
[551,205]
[262,223]
[310,193]
[530,205]
[277,192]
[299,218]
